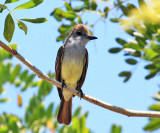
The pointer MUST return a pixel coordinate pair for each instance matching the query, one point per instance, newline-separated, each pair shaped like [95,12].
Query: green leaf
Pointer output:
[106,10]
[132,45]
[79,8]
[115,20]
[35,20]
[14,73]
[116,129]
[57,13]
[10,1]
[22,26]
[3,6]
[149,54]
[142,3]
[93,5]
[131,6]
[49,110]
[155,107]
[156,96]
[121,41]
[30,78]
[115,50]
[77,111]
[80,20]
[9,28]
[125,74]
[4,100]
[125,10]
[23,75]
[4,54]
[29,4]
[156,47]
[130,31]
[141,42]
[150,66]
[131,61]
[3,129]
[153,125]
[151,75]
[68,6]
[69,15]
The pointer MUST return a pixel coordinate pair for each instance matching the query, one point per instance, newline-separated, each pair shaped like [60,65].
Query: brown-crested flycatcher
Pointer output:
[70,69]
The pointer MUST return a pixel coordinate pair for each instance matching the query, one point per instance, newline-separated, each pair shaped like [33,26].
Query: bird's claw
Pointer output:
[81,93]
[63,84]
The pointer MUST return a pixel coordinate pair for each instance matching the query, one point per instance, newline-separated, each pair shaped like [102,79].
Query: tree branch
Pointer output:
[90,99]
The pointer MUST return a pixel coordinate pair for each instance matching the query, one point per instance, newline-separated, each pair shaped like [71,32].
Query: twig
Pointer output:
[93,100]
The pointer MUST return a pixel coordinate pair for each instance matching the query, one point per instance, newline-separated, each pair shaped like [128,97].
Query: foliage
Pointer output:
[142,24]
[9,22]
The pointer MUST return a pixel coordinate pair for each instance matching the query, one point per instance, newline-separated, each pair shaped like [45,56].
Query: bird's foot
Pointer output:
[63,84]
[81,93]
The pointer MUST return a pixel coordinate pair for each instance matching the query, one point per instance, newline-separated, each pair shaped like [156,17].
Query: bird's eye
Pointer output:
[79,33]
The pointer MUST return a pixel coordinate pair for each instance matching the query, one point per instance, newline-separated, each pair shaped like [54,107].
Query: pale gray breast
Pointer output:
[75,53]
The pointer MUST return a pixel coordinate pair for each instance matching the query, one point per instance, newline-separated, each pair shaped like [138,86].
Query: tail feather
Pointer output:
[65,112]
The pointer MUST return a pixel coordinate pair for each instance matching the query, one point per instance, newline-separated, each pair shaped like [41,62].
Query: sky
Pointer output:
[39,46]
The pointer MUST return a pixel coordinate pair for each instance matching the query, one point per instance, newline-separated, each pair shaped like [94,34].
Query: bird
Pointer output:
[70,69]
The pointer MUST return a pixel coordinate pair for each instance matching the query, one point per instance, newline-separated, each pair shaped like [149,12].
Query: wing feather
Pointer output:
[58,68]
[81,81]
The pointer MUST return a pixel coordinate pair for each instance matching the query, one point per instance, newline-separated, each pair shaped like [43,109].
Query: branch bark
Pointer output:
[90,99]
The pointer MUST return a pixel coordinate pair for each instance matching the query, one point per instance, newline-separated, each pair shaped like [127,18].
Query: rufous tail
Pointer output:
[65,112]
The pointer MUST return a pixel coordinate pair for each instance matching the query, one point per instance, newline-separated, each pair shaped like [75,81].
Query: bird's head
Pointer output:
[81,34]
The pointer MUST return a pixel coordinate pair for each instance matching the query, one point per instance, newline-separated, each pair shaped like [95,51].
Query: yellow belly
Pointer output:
[71,72]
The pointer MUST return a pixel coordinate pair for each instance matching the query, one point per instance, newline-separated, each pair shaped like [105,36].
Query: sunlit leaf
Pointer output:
[155,107]
[49,110]
[15,72]
[4,100]
[57,13]
[153,124]
[35,20]
[10,1]
[69,15]
[19,100]
[132,45]
[23,75]
[9,28]
[116,129]
[115,20]
[77,111]
[29,4]
[50,125]
[68,6]
[22,26]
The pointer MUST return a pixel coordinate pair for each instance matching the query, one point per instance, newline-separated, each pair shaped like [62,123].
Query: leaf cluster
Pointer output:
[145,43]
[9,26]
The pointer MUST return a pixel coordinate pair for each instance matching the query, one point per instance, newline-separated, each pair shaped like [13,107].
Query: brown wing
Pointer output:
[81,81]
[58,68]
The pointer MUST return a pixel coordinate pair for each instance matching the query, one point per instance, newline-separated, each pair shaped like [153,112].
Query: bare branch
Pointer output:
[93,100]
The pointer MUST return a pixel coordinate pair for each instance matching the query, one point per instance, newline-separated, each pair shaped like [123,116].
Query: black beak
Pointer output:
[91,37]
